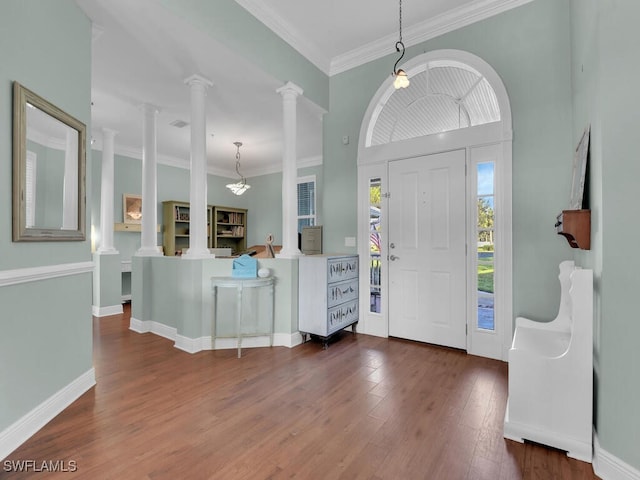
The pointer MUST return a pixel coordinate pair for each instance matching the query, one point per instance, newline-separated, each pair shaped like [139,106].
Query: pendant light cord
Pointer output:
[401,22]
[399,44]
[243,180]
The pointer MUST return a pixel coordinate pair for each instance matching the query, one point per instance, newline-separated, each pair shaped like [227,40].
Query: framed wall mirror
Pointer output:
[49,155]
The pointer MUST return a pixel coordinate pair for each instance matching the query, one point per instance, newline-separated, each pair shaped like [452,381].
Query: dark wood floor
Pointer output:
[366,408]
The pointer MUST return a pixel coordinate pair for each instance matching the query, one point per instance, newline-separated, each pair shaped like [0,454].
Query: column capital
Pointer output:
[149,108]
[108,132]
[196,79]
[290,88]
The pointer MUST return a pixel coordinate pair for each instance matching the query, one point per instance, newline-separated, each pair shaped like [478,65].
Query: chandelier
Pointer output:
[240,186]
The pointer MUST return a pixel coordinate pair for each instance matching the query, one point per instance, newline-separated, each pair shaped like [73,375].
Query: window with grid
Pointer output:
[306,202]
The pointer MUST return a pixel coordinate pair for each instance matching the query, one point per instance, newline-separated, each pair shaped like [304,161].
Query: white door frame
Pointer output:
[373,162]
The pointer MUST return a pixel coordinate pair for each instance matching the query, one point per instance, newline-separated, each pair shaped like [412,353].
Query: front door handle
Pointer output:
[393,258]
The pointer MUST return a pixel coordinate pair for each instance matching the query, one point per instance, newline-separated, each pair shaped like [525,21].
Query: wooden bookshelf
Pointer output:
[227,227]
[175,221]
[230,228]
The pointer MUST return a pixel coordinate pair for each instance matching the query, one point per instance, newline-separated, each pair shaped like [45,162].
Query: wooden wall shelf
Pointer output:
[575,226]
[130,227]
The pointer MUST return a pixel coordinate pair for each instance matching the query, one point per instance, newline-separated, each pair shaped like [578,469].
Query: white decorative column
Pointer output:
[106,193]
[70,182]
[107,274]
[289,93]
[198,193]
[149,239]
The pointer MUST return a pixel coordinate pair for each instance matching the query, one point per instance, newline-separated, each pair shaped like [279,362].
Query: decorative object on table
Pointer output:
[240,186]
[131,208]
[264,272]
[268,245]
[244,267]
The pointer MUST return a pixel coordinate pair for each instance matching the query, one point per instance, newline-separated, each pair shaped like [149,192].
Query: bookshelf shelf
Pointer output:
[231,228]
[229,223]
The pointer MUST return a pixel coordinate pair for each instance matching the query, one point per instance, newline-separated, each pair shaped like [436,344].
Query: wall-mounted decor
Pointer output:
[580,159]
[49,158]
[131,208]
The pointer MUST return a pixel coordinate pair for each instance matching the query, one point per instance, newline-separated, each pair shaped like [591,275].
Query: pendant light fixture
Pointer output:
[241,186]
[402,80]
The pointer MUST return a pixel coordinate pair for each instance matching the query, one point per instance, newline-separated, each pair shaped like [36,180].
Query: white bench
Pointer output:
[551,372]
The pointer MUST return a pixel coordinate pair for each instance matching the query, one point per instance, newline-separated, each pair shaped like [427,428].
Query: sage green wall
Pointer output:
[45,327]
[605,72]
[230,24]
[529,47]
[264,201]
[53,60]
[107,280]
[173,184]
[176,292]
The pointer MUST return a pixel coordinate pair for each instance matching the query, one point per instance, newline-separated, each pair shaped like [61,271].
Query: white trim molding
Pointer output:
[192,345]
[106,311]
[195,345]
[136,154]
[373,162]
[45,272]
[610,467]
[20,431]
[287,32]
[149,326]
[454,19]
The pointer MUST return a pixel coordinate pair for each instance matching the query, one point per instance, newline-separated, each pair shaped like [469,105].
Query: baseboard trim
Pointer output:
[149,326]
[610,467]
[190,345]
[106,311]
[287,339]
[20,431]
[195,345]
[139,326]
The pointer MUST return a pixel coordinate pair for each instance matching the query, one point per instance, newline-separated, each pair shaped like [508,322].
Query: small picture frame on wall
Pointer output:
[132,208]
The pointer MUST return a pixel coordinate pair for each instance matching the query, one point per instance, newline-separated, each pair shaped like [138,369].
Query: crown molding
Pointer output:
[270,169]
[434,27]
[287,32]
[96,32]
[170,161]
[136,154]
[447,22]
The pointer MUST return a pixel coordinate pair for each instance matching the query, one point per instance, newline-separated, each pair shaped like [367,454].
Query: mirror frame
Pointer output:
[22,96]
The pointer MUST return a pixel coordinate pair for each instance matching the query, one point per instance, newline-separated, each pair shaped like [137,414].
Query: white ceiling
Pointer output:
[142,54]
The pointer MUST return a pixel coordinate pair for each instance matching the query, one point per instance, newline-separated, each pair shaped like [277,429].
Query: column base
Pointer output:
[149,252]
[193,254]
[107,251]
[290,253]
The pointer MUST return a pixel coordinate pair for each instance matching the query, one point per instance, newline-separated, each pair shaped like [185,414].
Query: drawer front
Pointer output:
[341,316]
[340,269]
[342,292]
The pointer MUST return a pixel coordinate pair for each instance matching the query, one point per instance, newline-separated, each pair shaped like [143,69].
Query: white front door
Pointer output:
[427,259]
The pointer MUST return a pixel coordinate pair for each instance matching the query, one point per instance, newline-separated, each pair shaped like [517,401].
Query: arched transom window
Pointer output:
[444,95]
